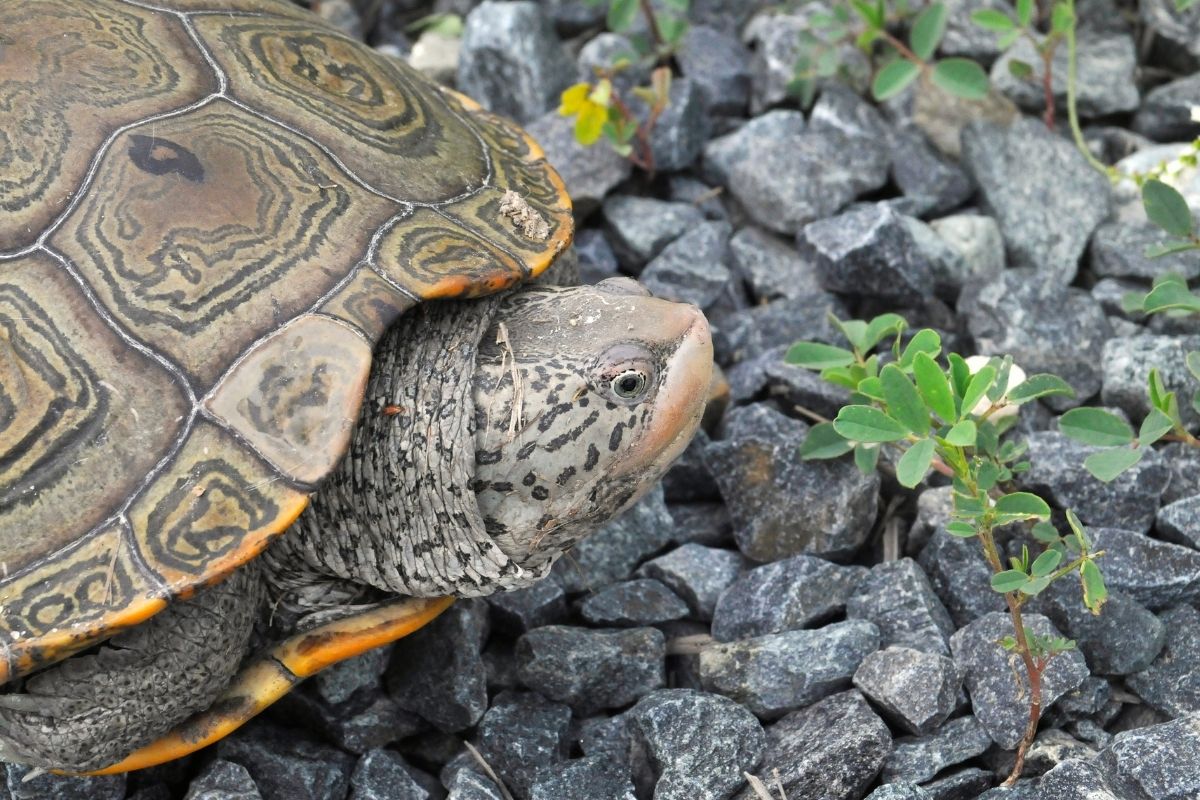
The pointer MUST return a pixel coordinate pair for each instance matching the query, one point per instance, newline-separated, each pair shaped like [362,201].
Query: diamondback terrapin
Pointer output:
[245,260]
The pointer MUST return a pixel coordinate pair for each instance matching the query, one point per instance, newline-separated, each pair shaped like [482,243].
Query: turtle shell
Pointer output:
[210,211]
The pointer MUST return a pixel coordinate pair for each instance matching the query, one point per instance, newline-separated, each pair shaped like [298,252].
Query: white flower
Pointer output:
[1016,376]
[1195,113]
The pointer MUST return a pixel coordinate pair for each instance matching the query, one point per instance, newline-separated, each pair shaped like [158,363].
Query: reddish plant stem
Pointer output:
[1048,85]
[652,21]
[903,49]
[643,155]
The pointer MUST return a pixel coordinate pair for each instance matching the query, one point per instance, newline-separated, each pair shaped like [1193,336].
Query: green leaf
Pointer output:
[1166,249]
[1079,531]
[960,373]
[1021,70]
[1042,384]
[1170,295]
[926,341]
[1046,563]
[1192,359]
[1022,505]
[872,388]
[913,465]
[823,441]
[815,355]
[1094,590]
[987,474]
[882,326]
[1184,5]
[933,386]
[866,458]
[1035,586]
[621,14]
[1009,581]
[868,424]
[1154,427]
[903,401]
[927,31]
[1005,40]
[1062,18]
[1009,643]
[1095,426]
[961,77]
[1045,532]
[868,12]
[894,78]
[1108,464]
[980,382]
[962,434]
[993,20]
[672,29]
[855,331]
[963,530]
[1024,12]
[1166,208]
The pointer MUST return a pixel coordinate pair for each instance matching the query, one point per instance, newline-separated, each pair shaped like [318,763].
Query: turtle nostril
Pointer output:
[623,286]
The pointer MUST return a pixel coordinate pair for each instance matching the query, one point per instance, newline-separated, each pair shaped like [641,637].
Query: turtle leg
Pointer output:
[91,710]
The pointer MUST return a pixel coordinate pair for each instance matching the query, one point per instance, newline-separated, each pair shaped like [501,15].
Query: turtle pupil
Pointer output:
[630,384]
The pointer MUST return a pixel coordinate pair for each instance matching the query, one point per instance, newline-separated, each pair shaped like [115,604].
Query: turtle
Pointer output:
[277,383]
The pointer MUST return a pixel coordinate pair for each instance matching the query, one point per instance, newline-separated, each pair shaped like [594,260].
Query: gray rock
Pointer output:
[1057,473]
[1166,112]
[512,62]
[699,744]
[339,682]
[1171,684]
[588,778]
[573,16]
[59,787]
[964,784]
[1043,326]
[633,604]
[468,785]
[919,758]
[286,767]
[367,720]
[1052,747]
[520,733]
[964,37]
[797,387]
[697,574]
[841,110]
[589,173]
[1184,463]
[613,552]
[1077,780]
[1127,363]
[779,672]
[702,523]
[770,266]
[791,181]
[960,576]
[1156,762]
[682,188]
[745,334]
[1125,637]
[720,65]
[682,128]
[935,508]
[794,593]
[1000,700]
[975,237]
[597,261]
[724,152]
[1119,250]
[831,750]
[897,597]
[780,505]
[224,780]
[438,673]
[1156,574]
[867,250]
[692,269]
[931,182]
[384,775]
[543,603]
[615,740]
[916,690]
[899,791]
[1177,33]
[775,40]
[640,227]
[592,669]
[1106,82]
[1032,180]
[945,262]
[1179,522]
[604,51]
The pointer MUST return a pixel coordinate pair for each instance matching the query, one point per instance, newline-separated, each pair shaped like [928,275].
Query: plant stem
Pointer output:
[643,156]
[1048,85]
[1072,112]
[903,49]
[652,21]
[1034,671]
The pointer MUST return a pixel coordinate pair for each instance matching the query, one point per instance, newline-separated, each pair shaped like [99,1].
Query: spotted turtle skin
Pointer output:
[210,212]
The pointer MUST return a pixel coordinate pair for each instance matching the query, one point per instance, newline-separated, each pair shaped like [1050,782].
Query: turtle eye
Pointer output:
[630,384]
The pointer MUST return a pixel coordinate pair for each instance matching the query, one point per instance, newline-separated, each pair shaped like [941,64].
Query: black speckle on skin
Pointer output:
[164,157]
[502,486]
[526,451]
[593,458]
[540,492]
[614,440]
[529,480]
[565,476]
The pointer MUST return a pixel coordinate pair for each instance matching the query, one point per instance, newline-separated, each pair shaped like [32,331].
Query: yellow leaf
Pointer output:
[573,99]
[590,124]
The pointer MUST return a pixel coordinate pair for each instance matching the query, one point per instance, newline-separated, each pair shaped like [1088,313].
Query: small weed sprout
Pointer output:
[951,416]
[598,107]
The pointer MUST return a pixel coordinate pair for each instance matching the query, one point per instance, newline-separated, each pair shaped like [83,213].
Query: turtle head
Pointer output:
[583,398]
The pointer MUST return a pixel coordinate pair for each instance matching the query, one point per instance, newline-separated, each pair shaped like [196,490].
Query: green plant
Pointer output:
[600,110]
[450,25]
[952,416]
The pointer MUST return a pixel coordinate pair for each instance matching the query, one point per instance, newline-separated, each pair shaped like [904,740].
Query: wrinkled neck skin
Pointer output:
[518,432]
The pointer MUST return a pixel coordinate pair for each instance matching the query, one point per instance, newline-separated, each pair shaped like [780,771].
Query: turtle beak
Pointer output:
[682,395]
